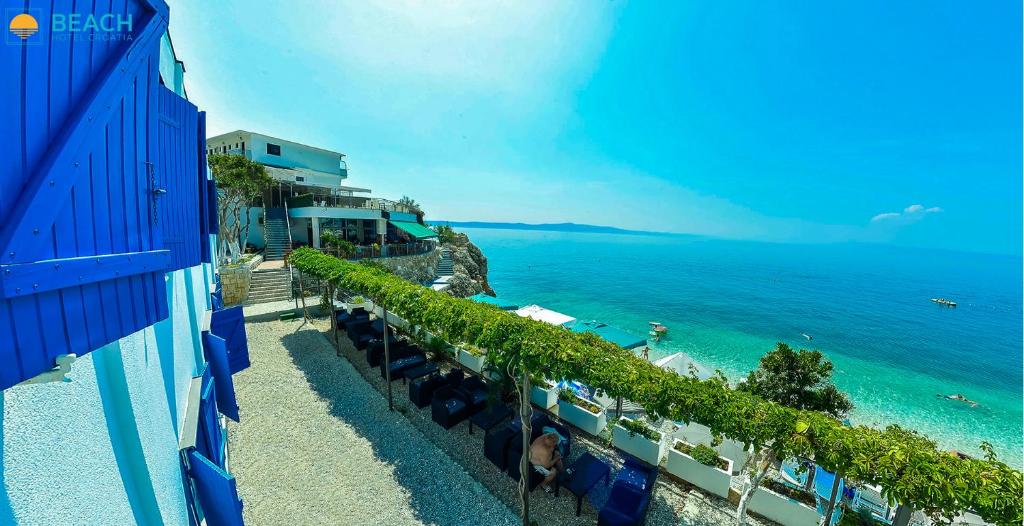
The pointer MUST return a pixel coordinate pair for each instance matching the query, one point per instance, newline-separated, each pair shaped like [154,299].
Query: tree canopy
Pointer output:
[240,182]
[798,379]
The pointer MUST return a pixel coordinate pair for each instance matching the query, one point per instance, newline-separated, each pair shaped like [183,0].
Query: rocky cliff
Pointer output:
[470,268]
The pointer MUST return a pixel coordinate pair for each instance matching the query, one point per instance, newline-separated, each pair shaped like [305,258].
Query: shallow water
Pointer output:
[866,306]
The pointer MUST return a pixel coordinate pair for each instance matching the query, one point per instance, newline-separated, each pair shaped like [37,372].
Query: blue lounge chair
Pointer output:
[630,495]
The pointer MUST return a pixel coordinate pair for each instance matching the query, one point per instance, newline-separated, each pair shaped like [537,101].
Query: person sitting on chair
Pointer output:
[546,459]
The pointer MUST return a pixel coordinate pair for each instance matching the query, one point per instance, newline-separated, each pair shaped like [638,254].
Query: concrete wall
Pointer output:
[102,448]
[295,155]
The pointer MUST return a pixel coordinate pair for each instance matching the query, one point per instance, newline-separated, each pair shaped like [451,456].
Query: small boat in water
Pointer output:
[658,327]
[657,330]
[944,301]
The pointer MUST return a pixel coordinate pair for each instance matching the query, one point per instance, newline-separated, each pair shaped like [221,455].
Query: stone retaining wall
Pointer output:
[420,268]
[234,281]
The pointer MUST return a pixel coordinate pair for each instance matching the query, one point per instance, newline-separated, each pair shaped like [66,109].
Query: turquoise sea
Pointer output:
[866,306]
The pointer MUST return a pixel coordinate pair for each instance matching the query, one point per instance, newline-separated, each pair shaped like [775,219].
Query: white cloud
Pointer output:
[884,216]
[910,214]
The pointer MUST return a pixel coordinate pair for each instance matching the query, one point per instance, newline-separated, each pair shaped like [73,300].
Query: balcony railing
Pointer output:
[347,201]
[388,250]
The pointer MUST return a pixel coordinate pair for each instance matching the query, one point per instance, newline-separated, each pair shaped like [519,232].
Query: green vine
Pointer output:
[908,466]
[636,427]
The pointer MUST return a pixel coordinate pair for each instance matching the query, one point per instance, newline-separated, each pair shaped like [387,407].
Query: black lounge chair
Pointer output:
[341,317]
[449,407]
[375,350]
[538,423]
[496,445]
[398,365]
[475,391]
[513,457]
[421,390]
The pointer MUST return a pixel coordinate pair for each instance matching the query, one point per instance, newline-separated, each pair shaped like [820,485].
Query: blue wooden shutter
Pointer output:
[230,325]
[179,213]
[204,194]
[211,187]
[81,260]
[216,350]
[209,435]
[217,492]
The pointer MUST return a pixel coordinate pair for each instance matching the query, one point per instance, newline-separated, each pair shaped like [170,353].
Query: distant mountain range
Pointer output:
[551,227]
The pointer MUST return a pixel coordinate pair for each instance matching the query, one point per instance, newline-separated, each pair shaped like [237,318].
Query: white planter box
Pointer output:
[582,418]
[639,446]
[471,360]
[542,396]
[708,478]
[782,509]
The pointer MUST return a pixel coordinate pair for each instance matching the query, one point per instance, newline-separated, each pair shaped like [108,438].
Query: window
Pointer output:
[300,178]
[243,146]
[273,149]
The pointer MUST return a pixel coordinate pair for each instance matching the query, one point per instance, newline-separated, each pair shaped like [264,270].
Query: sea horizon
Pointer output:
[867,307]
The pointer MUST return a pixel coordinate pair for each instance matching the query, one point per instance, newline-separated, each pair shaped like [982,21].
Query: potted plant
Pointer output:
[639,439]
[472,357]
[581,413]
[543,392]
[357,302]
[784,505]
[701,466]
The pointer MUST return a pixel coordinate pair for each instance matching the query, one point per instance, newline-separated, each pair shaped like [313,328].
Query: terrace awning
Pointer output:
[494,300]
[612,334]
[415,230]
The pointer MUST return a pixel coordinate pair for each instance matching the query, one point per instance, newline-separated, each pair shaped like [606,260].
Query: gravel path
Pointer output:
[672,504]
[317,445]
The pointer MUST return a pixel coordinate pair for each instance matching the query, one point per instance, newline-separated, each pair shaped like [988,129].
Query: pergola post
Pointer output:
[387,359]
[830,509]
[524,462]
[302,294]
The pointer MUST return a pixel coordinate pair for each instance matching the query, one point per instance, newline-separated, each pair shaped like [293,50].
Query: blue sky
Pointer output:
[780,121]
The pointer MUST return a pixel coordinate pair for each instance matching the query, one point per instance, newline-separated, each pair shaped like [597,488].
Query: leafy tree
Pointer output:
[343,248]
[445,234]
[240,182]
[798,379]
[411,203]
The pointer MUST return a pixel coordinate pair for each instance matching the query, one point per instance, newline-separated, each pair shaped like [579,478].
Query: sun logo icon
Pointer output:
[24,25]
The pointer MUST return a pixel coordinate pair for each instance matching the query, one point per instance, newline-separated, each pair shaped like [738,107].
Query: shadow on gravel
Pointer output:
[441,492]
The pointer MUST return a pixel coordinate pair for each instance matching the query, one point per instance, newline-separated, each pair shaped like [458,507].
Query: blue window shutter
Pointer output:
[209,435]
[217,492]
[211,187]
[80,263]
[204,194]
[230,325]
[177,177]
[216,350]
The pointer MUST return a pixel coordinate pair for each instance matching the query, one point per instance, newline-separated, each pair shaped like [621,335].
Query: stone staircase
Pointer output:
[270,285]
[275,231]
[445,266]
